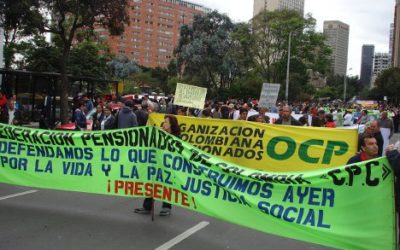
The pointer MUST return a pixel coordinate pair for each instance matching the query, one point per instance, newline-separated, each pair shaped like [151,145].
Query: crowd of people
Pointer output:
[116,113]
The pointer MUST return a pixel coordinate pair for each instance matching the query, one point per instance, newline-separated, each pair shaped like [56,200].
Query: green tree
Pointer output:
[70,19]
[387,84]
[271,31]
[205,53]
[18,19]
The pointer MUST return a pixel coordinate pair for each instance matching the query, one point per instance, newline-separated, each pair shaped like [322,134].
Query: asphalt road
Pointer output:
[47,219]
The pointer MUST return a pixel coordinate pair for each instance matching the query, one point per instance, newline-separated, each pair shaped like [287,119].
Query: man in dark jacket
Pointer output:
[287,118]
[126,117]
[372,129]
[143,113]
[369,150]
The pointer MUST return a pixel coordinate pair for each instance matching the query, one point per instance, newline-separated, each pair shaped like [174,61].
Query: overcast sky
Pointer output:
[369,20]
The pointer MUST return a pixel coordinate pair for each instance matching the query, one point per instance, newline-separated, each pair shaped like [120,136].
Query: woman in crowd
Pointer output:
[98,117]
[170,125]
[109,120]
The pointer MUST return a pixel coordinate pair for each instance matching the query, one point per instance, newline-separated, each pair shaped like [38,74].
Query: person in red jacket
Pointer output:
[3,100]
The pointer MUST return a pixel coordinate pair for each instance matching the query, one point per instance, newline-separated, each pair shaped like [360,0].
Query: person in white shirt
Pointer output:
[348,119]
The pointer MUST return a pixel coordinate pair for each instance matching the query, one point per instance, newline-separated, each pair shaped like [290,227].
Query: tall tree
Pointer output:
[271,31]
[69,18]
[18,19]
[205,51]
[387,84]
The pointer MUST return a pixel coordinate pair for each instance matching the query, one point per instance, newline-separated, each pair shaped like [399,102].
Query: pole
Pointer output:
[287,70]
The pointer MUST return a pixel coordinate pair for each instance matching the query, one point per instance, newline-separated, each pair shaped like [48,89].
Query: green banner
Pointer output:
[350,207]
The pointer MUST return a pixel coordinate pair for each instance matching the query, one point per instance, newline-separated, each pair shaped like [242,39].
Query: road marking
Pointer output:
[17,194]
[183,236]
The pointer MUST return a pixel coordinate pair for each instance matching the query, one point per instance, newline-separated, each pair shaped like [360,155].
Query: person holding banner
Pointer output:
[369,150]
[170,125]
[287,118]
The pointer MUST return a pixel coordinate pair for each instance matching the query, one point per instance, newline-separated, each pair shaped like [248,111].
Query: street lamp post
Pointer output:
[288,69]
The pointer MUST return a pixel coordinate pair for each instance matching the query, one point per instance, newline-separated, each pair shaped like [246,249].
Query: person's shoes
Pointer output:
[165,211]
[141,211]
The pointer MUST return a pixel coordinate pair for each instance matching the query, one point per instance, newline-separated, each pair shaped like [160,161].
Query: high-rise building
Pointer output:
[391,38]
[1,48]
[367,63]
[382,61]
[396,35]
[154,30]
[337,34]
[272,5]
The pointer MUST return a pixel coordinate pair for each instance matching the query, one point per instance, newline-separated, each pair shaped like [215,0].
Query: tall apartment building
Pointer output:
[396,39]
[337,34]
[382,61]
[272,5]
[391,40]
[153,32]
[367,64]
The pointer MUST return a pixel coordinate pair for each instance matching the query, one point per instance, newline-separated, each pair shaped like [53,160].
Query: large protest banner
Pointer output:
[350,207]
[190,96]
[268,147]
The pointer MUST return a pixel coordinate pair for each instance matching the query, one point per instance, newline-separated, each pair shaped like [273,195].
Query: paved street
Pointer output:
[47,220]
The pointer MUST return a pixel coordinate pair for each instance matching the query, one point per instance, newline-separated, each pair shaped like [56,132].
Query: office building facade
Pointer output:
[272,5]
[396,35]
[337,34]
[154,30]
[367,64]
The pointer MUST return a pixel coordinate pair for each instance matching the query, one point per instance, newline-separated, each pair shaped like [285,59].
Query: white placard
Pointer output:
[269,95]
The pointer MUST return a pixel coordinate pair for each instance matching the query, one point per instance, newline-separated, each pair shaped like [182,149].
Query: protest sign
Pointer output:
[268,147]
[350,207]
[190,96]
[269,95]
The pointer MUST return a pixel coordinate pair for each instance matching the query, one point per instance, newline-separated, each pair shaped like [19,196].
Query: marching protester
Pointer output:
[329,121]
[319,120]
[261,116]
[372,129]
[98,117]
[243,114]
[287,118]
[126,118]
[80,117]
[170,125]
[364,118]
[348,118]
[369,150]
[385,122]
[108,121]
[3,100]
